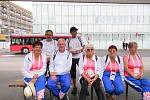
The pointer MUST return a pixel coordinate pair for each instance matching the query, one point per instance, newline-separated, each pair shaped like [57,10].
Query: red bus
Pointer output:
[23,43]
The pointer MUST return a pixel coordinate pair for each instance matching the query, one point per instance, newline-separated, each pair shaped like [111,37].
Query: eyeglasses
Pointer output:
[89,49]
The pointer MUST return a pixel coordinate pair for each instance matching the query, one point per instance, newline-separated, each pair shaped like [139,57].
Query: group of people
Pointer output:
[53,62]
[125,45]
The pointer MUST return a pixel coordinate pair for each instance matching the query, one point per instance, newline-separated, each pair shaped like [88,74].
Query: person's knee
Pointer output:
[51,83]
[41,81]
[109,90]
[66,82]
[119,91]
[67,85]
[42,78]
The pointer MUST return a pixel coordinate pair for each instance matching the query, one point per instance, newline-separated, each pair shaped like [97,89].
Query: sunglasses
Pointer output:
[89,49]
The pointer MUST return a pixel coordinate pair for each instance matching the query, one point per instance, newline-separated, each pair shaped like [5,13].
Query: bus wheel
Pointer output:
[24,50]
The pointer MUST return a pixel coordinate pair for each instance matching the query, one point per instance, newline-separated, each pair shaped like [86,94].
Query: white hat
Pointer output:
[112,44]
[29,90]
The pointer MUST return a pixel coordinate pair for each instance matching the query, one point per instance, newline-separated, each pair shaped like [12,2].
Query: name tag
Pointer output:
[136,71]
[112,76]
[90,73]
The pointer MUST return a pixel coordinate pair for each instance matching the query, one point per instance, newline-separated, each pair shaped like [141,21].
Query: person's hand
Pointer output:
[53,73]
[34,78]
[89,81]
[82,49]
[138,77]
[75,51]
[53,77]
[92,80]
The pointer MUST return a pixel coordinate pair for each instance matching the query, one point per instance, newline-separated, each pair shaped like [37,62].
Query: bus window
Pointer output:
[16,41]
[27,41]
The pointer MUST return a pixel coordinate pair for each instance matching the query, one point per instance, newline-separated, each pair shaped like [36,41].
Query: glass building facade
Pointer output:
[102,24]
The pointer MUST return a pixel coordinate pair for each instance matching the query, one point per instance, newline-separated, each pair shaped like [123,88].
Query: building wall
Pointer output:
[97,1]
[102,24]
[14,18]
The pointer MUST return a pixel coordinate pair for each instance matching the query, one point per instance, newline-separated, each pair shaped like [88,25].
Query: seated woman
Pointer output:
[89,68]
[112,73]
[34,68]
[134,72]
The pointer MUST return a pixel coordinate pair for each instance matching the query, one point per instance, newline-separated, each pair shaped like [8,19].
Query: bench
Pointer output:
[18,83]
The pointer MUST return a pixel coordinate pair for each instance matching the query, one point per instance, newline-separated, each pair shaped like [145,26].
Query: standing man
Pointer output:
[49,46]
[75,46]
[60,66]
[124,45]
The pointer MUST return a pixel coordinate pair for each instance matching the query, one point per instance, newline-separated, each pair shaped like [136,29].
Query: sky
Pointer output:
[25,4]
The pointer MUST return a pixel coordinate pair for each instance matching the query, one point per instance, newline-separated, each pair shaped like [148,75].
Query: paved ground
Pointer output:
[10,69]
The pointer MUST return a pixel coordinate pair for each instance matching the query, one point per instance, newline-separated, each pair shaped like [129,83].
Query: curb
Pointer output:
[7,55]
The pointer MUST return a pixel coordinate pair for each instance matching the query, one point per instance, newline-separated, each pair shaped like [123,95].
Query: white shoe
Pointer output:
[61,95]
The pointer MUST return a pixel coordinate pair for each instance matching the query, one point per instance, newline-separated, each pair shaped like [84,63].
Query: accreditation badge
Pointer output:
[136,71]
[112,76]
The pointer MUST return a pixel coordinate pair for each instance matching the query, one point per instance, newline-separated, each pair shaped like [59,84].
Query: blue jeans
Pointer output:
[65,82]
[113,87]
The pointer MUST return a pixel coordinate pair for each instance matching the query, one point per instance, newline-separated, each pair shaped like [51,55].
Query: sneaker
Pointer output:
[74,91]
[61,95]
[65,97]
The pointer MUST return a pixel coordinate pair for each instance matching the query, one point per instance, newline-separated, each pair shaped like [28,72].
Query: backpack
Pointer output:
[117,58]
[79,38]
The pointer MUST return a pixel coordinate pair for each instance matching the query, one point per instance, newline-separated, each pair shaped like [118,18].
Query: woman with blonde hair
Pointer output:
[89,68]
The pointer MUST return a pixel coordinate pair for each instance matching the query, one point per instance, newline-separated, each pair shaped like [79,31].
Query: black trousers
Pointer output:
[97,86]
[75,61]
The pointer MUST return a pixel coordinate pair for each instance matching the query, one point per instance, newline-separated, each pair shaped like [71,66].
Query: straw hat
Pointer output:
[30,90]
